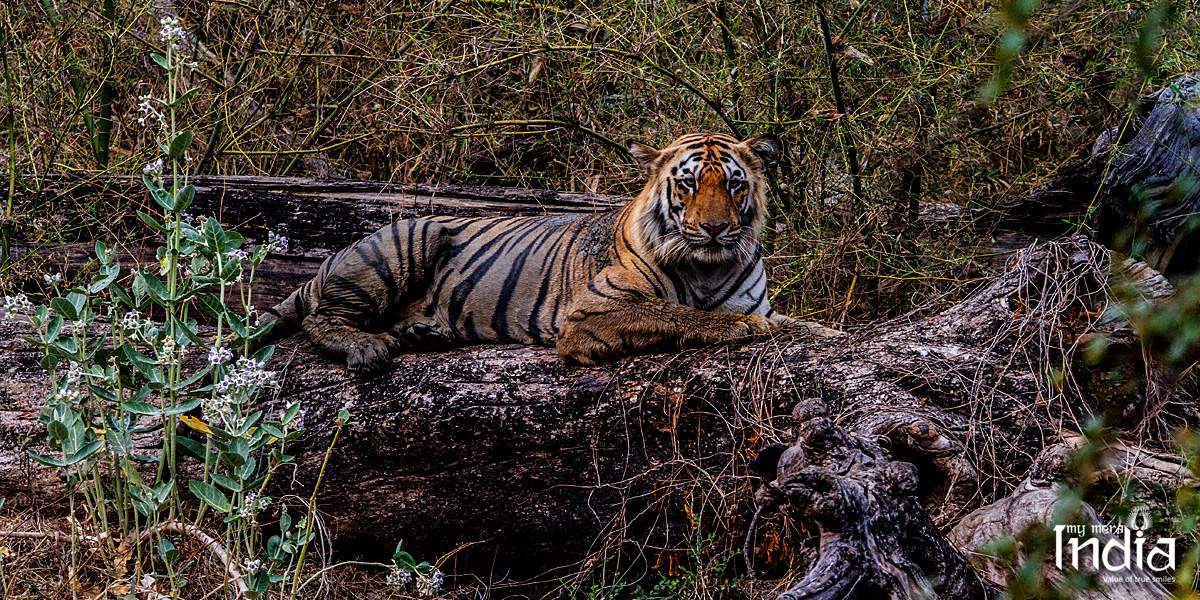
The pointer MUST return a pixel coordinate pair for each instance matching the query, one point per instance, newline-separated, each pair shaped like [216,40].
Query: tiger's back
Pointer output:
[511,279]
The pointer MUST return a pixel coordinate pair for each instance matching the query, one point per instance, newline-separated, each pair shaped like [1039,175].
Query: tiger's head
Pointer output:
[706,198]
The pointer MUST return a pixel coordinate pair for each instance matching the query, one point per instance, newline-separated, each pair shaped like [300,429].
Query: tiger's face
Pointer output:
[705,201]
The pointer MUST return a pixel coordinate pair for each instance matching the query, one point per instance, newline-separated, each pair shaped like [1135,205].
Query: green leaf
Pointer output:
[67,346]
[139,287]
[102,393]
[160,60]
[180,144]
[48,362]
[140,361]
[232,240]
[264,354]
[157,290]
[235,323]
[290,413]
[57,430]
[185,196]
[258,582]
[164,199]
[192,448]
[65,308]
[45,460]
[140,408]
[275,548]
[106,275]
[232,459]
[250,421]
[210,304]
[185,96]
[226,482]
[167,551]
[54,328]
[189,331]
[120,294]
[273,430]
[210,495]
[85,452]
[102,253]
[152,222]
[179,409]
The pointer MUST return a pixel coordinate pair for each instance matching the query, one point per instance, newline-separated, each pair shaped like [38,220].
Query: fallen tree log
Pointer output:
[530,464]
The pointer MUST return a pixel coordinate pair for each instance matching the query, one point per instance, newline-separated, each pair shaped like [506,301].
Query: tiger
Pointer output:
[678,266]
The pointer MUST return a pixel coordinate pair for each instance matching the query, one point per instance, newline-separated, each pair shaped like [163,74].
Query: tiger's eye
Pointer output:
[688,182]
[736,184]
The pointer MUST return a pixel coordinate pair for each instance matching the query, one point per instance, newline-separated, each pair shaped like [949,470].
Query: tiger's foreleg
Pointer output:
[364,351]
[614,325]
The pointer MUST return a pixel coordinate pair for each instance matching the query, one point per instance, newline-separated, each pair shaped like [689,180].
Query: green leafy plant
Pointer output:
[116,351]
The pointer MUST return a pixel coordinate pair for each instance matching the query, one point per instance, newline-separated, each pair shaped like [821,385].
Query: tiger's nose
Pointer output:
[714,229]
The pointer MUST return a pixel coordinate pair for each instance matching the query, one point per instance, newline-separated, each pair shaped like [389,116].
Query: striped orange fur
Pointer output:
[680,265]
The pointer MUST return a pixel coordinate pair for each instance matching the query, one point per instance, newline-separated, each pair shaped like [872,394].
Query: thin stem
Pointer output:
[839,104]
[312,509]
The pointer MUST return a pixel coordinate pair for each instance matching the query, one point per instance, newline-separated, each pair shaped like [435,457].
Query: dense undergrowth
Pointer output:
[543,95]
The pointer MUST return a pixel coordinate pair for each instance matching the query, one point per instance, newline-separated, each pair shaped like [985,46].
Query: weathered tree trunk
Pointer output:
[1140,188]
[876,540]
[539,464]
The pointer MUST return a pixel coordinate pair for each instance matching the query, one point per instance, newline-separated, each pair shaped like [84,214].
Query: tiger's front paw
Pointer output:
[585,349]
[367,352]
[752,325]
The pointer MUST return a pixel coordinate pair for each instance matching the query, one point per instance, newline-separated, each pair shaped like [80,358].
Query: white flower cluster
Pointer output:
[398,577]
[253,504]
[133,321]
[247,377]
[219,355]
[171,352]
[171,32]
[298,422]
[52,279]
[276,243]
[17,305]
[68,388]
[237,254]
[252,564]
[217,409]
[154,172]
[149,111]
[429,584]
[198,266]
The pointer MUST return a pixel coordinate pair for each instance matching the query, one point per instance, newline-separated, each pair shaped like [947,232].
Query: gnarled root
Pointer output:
[876,541]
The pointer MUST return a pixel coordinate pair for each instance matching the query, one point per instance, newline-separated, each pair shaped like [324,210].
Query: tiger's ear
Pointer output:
[768,147]
[646,155]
